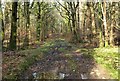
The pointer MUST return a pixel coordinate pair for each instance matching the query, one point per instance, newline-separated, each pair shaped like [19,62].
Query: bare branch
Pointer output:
[77,5]
[63,6]
[61,14]
[98,16]
[32,4]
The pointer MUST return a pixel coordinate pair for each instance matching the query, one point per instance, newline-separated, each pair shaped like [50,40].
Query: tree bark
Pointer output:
[2,26]
[27,23]
[38,24]
[13,35]
[105,24]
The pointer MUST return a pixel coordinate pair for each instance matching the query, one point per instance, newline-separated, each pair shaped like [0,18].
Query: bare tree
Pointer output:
[13,35]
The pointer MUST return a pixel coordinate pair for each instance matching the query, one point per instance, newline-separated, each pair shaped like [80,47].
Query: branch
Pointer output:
[63,6]
[32,4]
[47,16]
[45,7]
[98,16]
[71,5]
[47,12]
[61,14]
[77,5]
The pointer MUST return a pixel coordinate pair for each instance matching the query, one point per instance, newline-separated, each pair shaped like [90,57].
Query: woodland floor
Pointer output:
[53,58]
[72,65]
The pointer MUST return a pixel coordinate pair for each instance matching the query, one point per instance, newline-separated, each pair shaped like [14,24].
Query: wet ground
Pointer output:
[74,64]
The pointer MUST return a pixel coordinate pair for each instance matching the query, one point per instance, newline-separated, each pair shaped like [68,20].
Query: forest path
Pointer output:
[64,60]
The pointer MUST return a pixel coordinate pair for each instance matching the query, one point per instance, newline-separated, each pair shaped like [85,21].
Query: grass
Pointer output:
[108,57]
[16,64]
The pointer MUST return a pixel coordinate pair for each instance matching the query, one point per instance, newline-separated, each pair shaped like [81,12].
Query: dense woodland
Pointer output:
[29,25]
[26,23]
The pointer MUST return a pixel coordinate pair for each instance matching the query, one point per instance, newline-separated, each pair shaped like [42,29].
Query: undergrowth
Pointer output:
[18,64]
[108,57]
[15,65]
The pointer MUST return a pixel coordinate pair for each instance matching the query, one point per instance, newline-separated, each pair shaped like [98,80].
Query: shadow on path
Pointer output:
[75,64]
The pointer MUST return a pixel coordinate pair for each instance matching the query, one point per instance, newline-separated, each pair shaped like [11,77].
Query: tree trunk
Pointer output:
[7,22]
[13,35]
[105,24]
[2,27]
[93,20]
[111,34]
[19,24]
[38,24]
[74,28]
[27,23]
[73,15]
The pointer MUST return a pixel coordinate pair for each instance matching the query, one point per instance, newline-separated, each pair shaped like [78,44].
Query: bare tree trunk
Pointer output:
[38,24]
[2,27]
[93,19]
[111,34]
[75,37]
[105,24]
[69,21]
[18,36]
[7,23]
[27,23]
[13,35]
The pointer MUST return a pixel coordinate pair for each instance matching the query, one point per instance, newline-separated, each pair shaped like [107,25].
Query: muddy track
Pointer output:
[73,65]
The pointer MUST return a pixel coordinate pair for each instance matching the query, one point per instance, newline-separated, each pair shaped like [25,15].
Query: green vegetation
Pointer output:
[19,64]
[28,57]
[108,57]
[83,35]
